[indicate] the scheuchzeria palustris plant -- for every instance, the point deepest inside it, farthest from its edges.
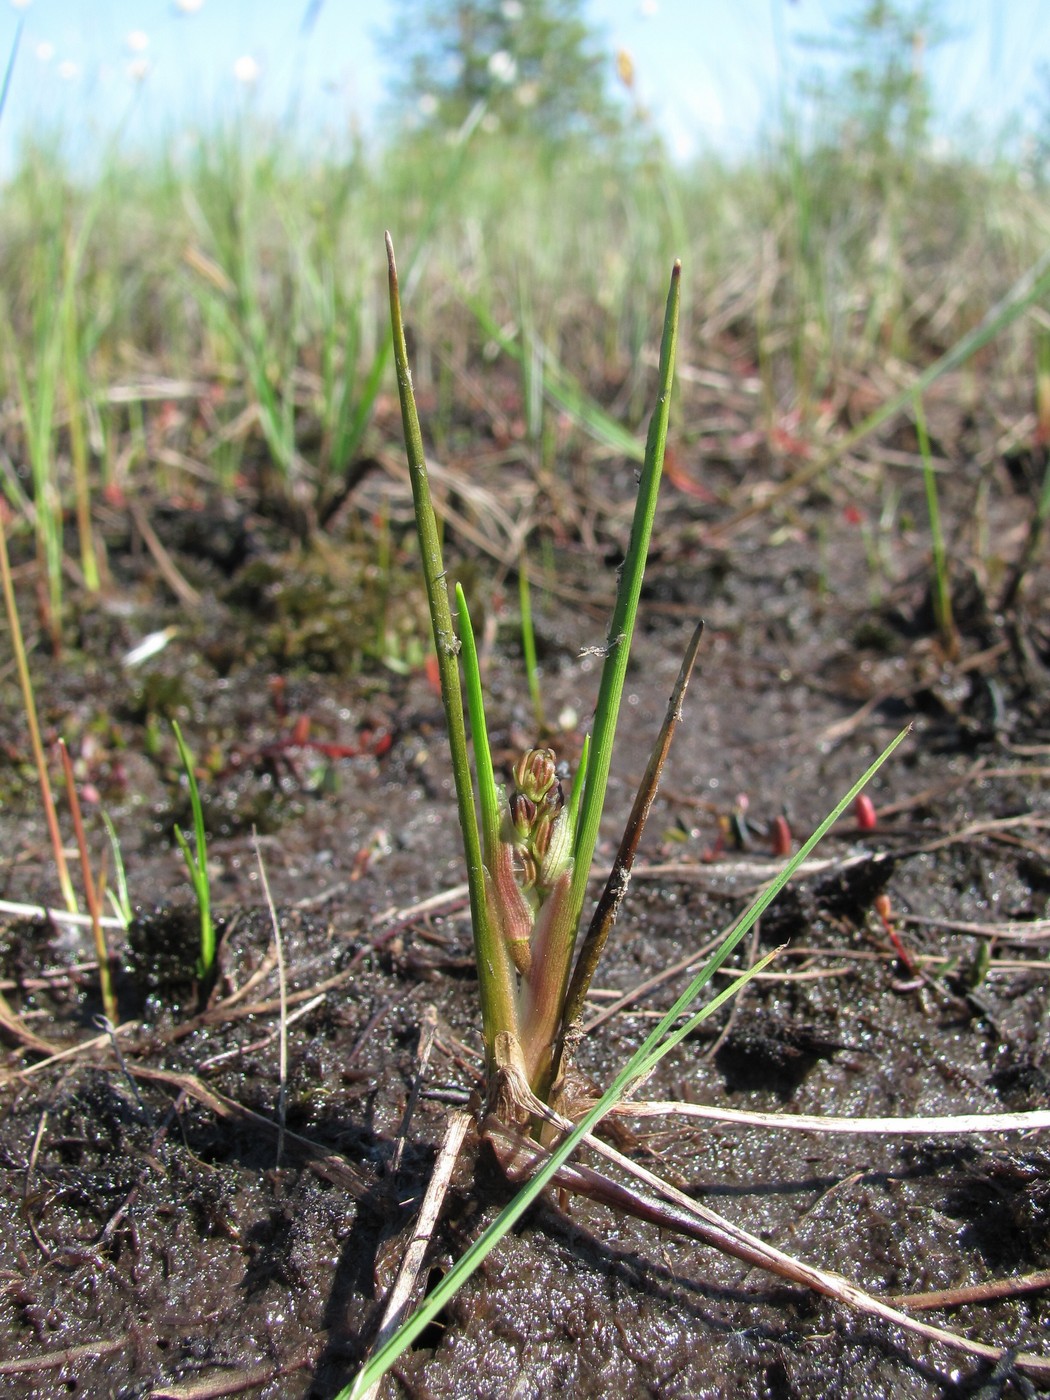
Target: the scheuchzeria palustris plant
(529, 856)
(528, 860)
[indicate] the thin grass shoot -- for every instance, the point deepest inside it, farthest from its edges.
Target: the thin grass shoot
(197, 859)
(941, 580)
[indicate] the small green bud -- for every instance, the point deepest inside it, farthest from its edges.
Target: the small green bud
(535, 773)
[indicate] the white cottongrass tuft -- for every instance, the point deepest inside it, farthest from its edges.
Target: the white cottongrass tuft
(246, 70)
(503, 66)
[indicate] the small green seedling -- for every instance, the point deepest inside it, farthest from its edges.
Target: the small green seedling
(120, 898)
(197, 859)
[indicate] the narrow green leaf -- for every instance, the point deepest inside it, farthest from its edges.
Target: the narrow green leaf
(488, 795)
(562, 389)
(528, 643)
(496, 977)
(625, 611)
(197, 861)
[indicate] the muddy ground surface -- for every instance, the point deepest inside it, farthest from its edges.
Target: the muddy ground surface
(161, 1238)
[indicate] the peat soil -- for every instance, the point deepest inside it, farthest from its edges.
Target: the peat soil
(161, 1236)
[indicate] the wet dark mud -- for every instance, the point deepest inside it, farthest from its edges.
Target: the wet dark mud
(162, 1235)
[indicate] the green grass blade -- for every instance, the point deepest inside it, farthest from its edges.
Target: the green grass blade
(488, 796)
(625, 611)
(528, 644)
(615, 889)
(120, 899)
(436, 202)
(562, 390)
(197, 860)
(579, 782)
(496, 984)
(663, 1038)
(25, 682)
(9, 72)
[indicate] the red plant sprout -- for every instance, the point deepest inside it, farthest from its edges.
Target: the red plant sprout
(885, 912)
(780, 836)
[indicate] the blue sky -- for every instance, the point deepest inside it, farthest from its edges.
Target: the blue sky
(709, 70)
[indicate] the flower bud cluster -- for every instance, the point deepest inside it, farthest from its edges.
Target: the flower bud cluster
(539, 826)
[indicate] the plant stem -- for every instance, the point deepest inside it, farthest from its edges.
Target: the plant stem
(528, 643)
(496, 977)
(29, 704)
(488, 797)
(91, 893)
(614, 672)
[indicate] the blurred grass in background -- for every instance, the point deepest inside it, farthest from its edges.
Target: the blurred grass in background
(212, 316)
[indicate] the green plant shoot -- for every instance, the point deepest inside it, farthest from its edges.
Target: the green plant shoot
(197, 859)
(529, 856)
(528, 644)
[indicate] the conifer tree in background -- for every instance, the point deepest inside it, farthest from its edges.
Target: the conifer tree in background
(537, 67)
(874, 98)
